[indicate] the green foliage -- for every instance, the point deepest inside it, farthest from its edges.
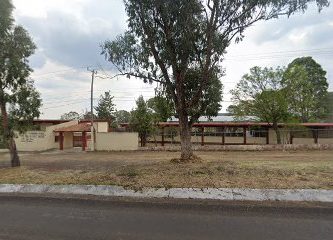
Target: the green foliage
(260, 94)
(167, 41)
(211, 97)
(307, 87)
(162, 107)
(122, 116)
(329, 104)
(106, 108)
(142, 120)
(16, 90)
(87, 115)
(72, 115)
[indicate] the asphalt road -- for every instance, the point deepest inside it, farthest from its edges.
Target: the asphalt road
(47, 218)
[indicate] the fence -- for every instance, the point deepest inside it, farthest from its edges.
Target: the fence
(242, 136)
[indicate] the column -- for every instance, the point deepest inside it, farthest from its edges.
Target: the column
(244, 135)
(84, 141)
(162, 134)
(202, 136)
(61, 140)
(315, 136)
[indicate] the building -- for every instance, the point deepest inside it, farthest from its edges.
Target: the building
(244, 133)
(62, 134)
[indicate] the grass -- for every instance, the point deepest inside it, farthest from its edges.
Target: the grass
(312, 169)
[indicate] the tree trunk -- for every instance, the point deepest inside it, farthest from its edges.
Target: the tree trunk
(143, 140)
(8, 137)
(185, 138)
(278, 134)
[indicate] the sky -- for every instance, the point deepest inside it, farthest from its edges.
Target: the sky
(68, 35)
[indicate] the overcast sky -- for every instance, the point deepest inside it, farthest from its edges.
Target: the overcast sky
(69, 33)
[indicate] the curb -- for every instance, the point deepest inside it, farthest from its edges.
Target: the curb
(307, 195)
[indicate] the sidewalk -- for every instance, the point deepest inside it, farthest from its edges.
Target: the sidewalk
(307, 195)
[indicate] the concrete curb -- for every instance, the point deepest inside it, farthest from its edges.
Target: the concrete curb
(309, 195)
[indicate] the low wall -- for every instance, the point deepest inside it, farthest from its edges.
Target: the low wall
(116, 141)
(276, 147)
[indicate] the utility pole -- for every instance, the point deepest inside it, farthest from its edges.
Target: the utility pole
(92, 134)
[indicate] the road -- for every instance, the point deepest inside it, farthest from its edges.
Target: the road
(35, 218)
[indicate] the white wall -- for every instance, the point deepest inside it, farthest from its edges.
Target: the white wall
(114, 141)
(43, 140)
(102, 126)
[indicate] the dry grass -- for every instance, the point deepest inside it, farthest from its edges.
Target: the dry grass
(304, 169)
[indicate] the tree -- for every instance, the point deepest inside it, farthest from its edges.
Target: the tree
(122, 116)
(16, 90)
(329, 104)
(106, 108)
(72, 115)
(87, 115)
(307, 88)
(162, 107)
(167, 39)
(260, 94)
(142, 120)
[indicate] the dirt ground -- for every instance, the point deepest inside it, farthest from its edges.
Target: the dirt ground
(270, 169)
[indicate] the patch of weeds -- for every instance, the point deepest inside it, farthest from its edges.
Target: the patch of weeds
(231, 171)
(128, 172)
(201, 171)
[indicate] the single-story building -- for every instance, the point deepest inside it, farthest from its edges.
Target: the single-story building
(62, 134)
(244, 133)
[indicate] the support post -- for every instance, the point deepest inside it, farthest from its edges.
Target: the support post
(244, 135)
(162, 136)
(84, 141)
(223, 136)
(267, 136)
(315, 135)
(61, 140)
(202, 136)
(291, 136)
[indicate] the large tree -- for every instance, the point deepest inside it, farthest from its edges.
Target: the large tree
(16, 90)
(167, 39)
(106, 108)
(260, 94)
(329, 104)
(307, 86)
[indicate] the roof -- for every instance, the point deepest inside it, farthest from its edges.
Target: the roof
(218, 118)
(238, 124)
(81, 127)
(59, 121)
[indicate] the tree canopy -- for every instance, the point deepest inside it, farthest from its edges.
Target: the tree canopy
(162, 107)
(260, 94)
(122, 116)
(166, 40)
(16, 89)
(142, 120)
(307, 87)
(106, 108)
(72, 115)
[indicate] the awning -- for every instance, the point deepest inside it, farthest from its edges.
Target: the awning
(81, 127)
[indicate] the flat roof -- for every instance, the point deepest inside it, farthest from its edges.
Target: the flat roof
(58, 121)
(239, 124)
(81, 127)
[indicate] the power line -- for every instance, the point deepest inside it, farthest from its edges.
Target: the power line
(252, 56)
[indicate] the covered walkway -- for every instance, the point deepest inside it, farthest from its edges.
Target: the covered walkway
(82, 128)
